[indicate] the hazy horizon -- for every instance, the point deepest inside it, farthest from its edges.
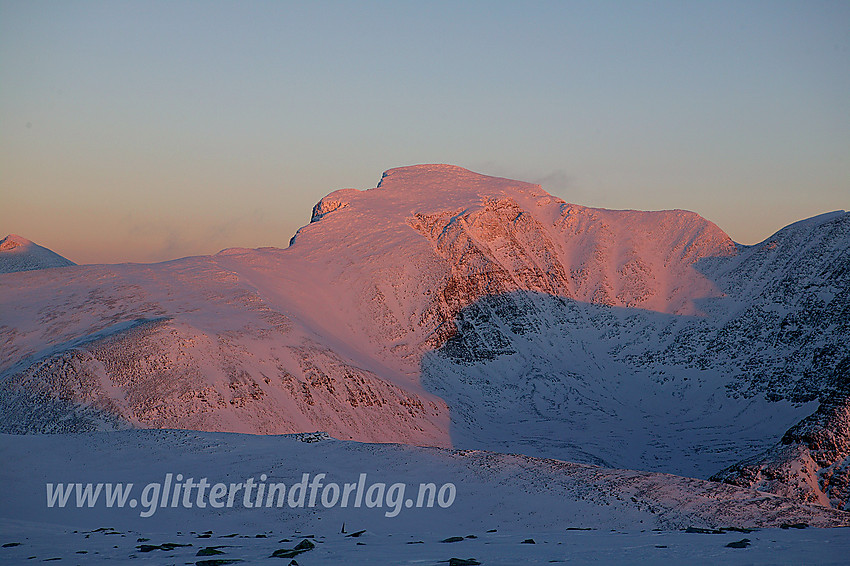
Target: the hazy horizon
(149, 131)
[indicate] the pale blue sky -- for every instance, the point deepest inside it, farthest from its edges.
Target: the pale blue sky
(143, 131)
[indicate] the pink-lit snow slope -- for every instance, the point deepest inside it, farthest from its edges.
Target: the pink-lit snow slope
(328, 334)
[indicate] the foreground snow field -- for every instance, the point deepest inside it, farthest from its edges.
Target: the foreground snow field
(502, 500)
(768, 546)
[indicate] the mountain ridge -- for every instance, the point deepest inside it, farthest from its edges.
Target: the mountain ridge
(357, 326)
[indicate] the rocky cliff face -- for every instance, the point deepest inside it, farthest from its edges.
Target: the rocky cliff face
(794, 323)
(685, 394)
(811, 463)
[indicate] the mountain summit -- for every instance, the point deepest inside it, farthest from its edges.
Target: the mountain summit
(20, 254)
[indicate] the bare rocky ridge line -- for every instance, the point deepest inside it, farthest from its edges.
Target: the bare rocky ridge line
(809, 464)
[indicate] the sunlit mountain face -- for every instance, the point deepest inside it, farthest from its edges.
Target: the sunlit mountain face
(445, 310)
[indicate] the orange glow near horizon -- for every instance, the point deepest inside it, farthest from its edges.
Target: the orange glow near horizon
(130, 131)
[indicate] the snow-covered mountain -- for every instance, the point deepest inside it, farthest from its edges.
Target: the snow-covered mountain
(19, 254)
(552, 376)
(447, 308)
(330, 332)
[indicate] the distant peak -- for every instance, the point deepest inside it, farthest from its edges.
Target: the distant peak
(19, 254)
(13, 241)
